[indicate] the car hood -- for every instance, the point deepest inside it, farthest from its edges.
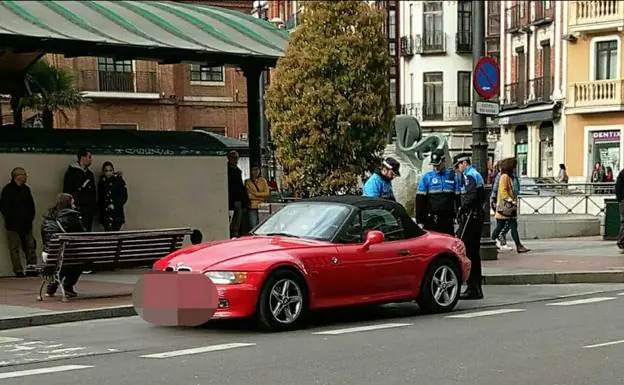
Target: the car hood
(207, 255)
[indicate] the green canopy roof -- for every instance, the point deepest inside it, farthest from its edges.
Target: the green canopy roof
(166, 30)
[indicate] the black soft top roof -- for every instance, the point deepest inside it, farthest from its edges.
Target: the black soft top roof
(411, 228)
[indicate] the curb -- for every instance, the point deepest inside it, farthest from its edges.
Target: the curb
(553, 278)
(67, 316)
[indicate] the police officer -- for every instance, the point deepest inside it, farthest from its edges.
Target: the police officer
(379, 185)
(471, 217)
(436, 196)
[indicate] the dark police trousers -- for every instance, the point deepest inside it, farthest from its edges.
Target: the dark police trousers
(440, 223)
(469, 232)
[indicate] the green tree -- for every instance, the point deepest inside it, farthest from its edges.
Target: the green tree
(49, 90)
(329, 106)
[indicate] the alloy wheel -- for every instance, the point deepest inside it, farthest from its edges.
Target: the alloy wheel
(444, 286)
(286, 301)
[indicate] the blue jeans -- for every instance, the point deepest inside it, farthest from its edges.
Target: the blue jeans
(513, 226)
(254, 218)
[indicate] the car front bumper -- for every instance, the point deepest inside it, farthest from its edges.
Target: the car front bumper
(239, 300)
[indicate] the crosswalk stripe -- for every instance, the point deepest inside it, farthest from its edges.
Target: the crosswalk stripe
(621, 294)
(604, 344)
(485, 313)
(48, 370)
(362, 328)
(7, 340)
(198, 350)
(581, 301)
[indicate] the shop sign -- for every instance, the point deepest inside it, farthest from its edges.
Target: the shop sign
(606, 136)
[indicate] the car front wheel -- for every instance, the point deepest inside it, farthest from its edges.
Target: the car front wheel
(440, 287)
(282, 304)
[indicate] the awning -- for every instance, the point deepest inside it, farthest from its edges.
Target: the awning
(531, 114)
(157, 30)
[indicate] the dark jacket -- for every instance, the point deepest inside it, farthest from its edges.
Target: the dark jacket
(18, 207)
(112, 191)
(70, 221)
(619, 186)
(80, 183)
(236, 189)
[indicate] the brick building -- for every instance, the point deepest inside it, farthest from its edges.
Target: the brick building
(143, 95)
(533, 85)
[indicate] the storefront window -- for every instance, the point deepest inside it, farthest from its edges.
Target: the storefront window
(546, 158)
(522, 154)
(604, 148)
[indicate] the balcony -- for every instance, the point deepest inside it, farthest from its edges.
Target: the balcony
(438, 112)
(541, 89)
(430, 43)
(541, 15)
(463, 42)
(596, 96)
(130, 83)
(493, 26)
(407, 46)
(596, 16)
(515, 94)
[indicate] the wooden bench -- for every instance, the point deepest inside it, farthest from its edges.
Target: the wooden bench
(107, 251)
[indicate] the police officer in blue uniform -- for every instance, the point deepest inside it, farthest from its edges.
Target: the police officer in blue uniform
(470, 218)
(437, 196)
(379, 185)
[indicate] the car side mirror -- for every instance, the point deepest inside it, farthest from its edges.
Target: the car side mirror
(373, 237)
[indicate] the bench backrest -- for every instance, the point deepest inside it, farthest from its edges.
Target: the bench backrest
(116, 248)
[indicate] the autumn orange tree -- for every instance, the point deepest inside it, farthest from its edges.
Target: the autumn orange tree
(329, 106)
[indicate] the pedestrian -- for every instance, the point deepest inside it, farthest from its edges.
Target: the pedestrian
(18, 208)
(437, 196)
(258, 191)
(62, 218)
(79, 182)
(507, 204)
(619, 195)
(470, 218)
(112, 196)
(379, 185)
(501, 242)
(238, 200)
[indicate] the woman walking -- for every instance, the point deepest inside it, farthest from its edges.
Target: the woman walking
(507, 204)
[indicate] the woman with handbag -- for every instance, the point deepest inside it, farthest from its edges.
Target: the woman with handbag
(507, 204)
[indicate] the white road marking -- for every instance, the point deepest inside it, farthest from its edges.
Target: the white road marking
(581, 301)
(203, 349)
(6, 340)
(485, 313)
(604, 344)
(362, 328)
(621, 294)
(52, 369)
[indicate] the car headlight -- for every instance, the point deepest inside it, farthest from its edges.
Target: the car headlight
(226, 277)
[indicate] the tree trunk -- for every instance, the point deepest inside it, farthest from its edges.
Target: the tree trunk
(47, 119)
(1, 117)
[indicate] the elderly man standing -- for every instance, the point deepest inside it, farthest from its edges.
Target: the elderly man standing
(18, 208)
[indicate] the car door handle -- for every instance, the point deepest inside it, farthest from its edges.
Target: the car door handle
(404, 252)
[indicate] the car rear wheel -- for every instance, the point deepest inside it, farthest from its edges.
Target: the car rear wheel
(440, 287)
(282, 304)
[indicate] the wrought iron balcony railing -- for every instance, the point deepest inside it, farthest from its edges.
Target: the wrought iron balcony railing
(441, 111)
(109, 81)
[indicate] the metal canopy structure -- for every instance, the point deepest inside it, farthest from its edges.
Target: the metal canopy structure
(167, 31)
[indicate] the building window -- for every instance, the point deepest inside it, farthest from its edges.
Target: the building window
(433, 87)
(522, 154)
(115, 75)
(521, 9)
(547, 4)
(204, 73)
(464, 20)
(604, 149)
(433, 30)
(391, 24)
(606, 60)
(464, 88)
(393, 91)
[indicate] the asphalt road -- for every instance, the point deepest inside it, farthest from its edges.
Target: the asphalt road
(519, 335)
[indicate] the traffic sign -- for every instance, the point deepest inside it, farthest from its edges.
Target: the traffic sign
(486, 77)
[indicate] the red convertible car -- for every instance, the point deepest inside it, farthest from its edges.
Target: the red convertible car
(328, 252)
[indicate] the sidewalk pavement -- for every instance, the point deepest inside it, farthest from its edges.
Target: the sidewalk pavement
(109, 294)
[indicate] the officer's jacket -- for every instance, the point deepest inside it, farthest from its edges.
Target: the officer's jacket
(437, 194)
(472, 191)
(378, 187)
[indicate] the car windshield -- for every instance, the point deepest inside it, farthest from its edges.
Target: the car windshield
(306, 220)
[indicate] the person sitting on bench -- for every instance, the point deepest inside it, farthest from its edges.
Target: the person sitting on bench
(62, 218)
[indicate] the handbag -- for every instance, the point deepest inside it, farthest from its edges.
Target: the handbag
(508, 206)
